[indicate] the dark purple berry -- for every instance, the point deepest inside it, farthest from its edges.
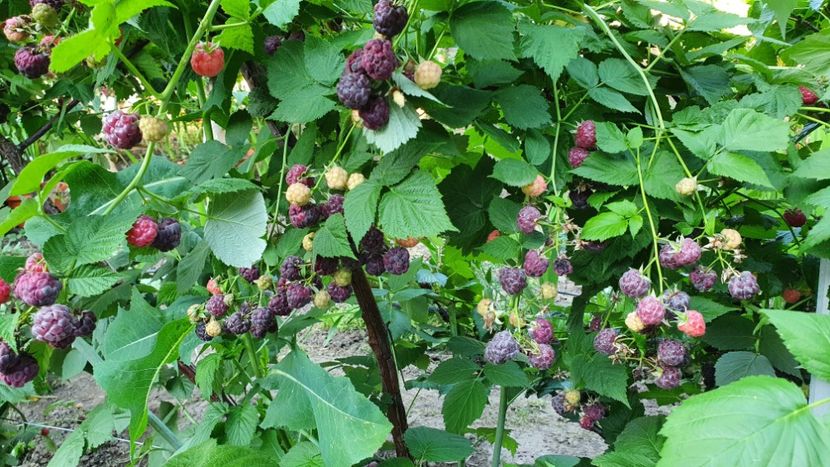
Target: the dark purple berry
(579, 196)
(373, 243)
(295, 174)
(8, 359)
(325, 266)
(562, 266)
(703, 279)
(249, 274)
(297, 296)
(671, 352)
(272, 44)
(501, 348)
(339, 294)
(389, 19)
(512, 280)
(334, 205)
(304, 216)
(396, 260)
(354, 64)
(541, 331)
(527, 219)
(30, 62)
(378, 60)
(543, 359)
(535, 265)
(263, 321)
(668, 377)
(604, 341)
(279, 304)
(25, 370)
(169, 234)
(216, 306)
(676, 300)
(744, 286)
(375, 265)
(55, 325)
(86, 324)
(558, 403)
(375, 113)
(634, 284)
(238, 323)
(37, 288)
(290, 269)
(354, 90)
(201, 333)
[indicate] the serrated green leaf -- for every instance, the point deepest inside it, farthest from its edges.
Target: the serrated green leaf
(206, 373)
(221, 185)
(733, 366)
(323, 61)
(812, 52)
(484, 30)
(613, 170)
(208, 453)
(597, 373)
(463, 404)
(73, 50)
(604, 225)
(806, 336)
(31, 176)
(537, 147)
(539, 40)
(710, 309)
(584, 72)
(304, 454)
(238, 37)
(453, 371)
(403, 125)
(739, 167)
(610, 138)
(523, 106)
(492, 72)
(413, 208)
(89, 280)
(514, 172)
(360, 208)
(710, 81)
(611, 99)
(282, 12)
(211, 159)
(241, 424)
(305, 105)
(816, 167)
(748, 130)
(235, 226)
(190, 267)
(508, 374)
(433, 445)
(126, 9)
(618, 74)
(238, 8)
(331, 240)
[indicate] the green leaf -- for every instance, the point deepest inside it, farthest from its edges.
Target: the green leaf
(537, 147)
(209, 453)
(126, 9)
(502, 248)
(634, 137)
(73, 50)
(241, 424)
(604, 225)
(360, 208)
(508, 374)
(209, 160)
(807, 336)
(18, 215)
(611, 99)
(738, 167)
(331, 240)
(484, 30)
(413, 208)
(396, 165)
(409, 88)
(304, 454)
(282, 12)
(323, 61)
(610, 138)
(235, 226)
(190, 267)
(812, 53)
(30, 178)
(206, 373)
(730, 332)
(748, 130)
(128, 338)
(733, 366)
(523, 106)
(779, 101)
(89, 240)
(618, 74)
(70, 451)
(433, 445)
(128, 382)
(662, 176)
(88, 280)
(305, 105)
(514, 172)
(816, 167)
(708, 18)
(221, 185)
(710, 81)
(638, 444)
(403, 125)
(710, 309)
(238, 8)
(467, 192)
(502, 213)
(584, 72)
(349, 426)
(453, 370)
(539, 40)
(755, 421)
(463, 404)
(598, 373)
(463, 105)
(9, 266)
(492, 72)
(613, 170)
(237, 37)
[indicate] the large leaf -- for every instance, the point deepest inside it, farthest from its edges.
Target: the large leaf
(812, 52)
(604, 225)
(360, 208)
(433, 445)
(210, 454)
(463, 404)
(598, 373)
(748, 130)
(523, 106)
(638, 444)
(403, 125)
(755, 421)
(211, 159)
(128, 382)
(619, 171)
(413, 208)
(539, 40)
(739, 167)
(807, 336)
(235, 226)
(349, 426)
(733, 366)
(31, 176)
(514, 172)
(281, 12)
(331, 240)
(484, 30)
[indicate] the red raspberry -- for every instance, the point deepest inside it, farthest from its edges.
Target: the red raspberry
(651, 311)
(378, 60)
(207, 60)
(375, 114)
(586, 135)
(143, 232)
(808, 97)
(213, 287)
(577, 155)
(30, 62)
(35, 263)
(121, 130)
(795, 217)
(5, 291)
(692, 324)
(791, 296)
(493, 235)
(37, 288)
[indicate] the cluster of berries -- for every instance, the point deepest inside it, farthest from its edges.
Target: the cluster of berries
(585, 140)
(126, 130)
(163, 235)
(32, 30)
(568, 403)
(52, 323)
(537, 345)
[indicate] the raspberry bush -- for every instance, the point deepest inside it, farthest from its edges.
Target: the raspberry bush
(594, 204)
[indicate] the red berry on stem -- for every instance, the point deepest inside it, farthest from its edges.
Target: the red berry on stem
(795, 217)
(808, 97)
(207, 60)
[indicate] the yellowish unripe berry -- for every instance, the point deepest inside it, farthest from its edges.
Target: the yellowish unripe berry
(298, 193)
(337, 178)
(193, 312)
(398, 98)
(228, 299)
(572, 397)
(263, 282)
(213, 328)
(308, 241)
(536, 188)
(731, 239)
(343, 277)
(483, 306)
(634, 323)
(427, 75)
(153, 129)
(407, 242)
(686, 186)
(356, 118)
(322, 299)
(515, 320)
(355, 179)
(549, 291)
(489, 320)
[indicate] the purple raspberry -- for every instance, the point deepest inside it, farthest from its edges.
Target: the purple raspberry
(595, 411)
(325, 266)
(201, 333)
(373, 243)
(527, 218)
(8, 359)
(667, 257)
(591, 245)
(604, 341)
(676, 300)
(651, 311)
(541, 331)
(354, 64)
(304, 216)
(375, 265)
(290, 269)
(263, 321)
(703, 279)
(238, 323)
(634, 284)
(37, 288)
(396, 260)
(501, 348)
(378, 59)
(586, 135)
(25, 370)
(216, 305)
(671, 352)
(544, 359)
(375, 113)
(272, 44)
(279, 304)
(169, 234)
(668, 377)
(562, 266)
(689, 253)
(297, 296)
(249, 274)
(86, 324)
(339, 294)
(389, 19)
(121, 130)
(535, 265)
(595, 324)
(512, 280)
(559, 404)
(354, 90)
(333, 206)
(30, 62)
(579, 196)
(577, 155)
(55, 325)
(743, 286)
(295, 174)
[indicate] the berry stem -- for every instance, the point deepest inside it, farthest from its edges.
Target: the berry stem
(282, 176)
(163, 430)
(500, 427)
(249, 347)
(555, 139)
(650, 221)
(135, 71)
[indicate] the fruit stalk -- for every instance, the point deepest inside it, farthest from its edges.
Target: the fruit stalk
(500, 427)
